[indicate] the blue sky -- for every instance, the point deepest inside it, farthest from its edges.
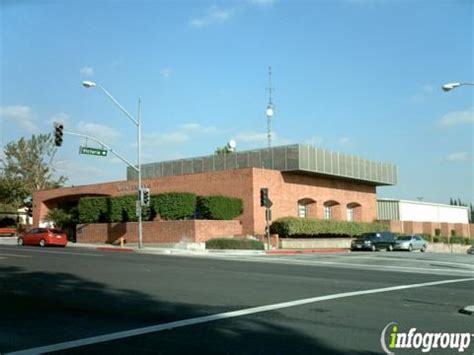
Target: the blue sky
(356, 76)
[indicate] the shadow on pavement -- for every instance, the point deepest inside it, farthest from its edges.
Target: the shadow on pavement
(43, 308)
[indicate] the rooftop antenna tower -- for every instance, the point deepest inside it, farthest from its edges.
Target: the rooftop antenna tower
(269, 111)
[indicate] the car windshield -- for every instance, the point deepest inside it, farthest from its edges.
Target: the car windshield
(404, 238)
(369, 236)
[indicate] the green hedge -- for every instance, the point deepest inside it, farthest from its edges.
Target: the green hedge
(92, 209)
(223, 243)
(219, 207)
(170, 206)
(306, 227)
(174, 205)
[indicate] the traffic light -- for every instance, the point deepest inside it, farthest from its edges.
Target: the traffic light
(58, 133)
(145, 197)
(263, 196)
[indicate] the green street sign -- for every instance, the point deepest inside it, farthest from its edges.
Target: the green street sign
(93, 151)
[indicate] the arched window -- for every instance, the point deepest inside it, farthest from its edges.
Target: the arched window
(307, 208)
(354, 211)
(332, 210)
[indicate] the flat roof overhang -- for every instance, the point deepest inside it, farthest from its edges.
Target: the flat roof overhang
(301, 158)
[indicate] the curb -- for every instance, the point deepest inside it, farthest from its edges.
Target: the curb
(120, 250)
(307, 251)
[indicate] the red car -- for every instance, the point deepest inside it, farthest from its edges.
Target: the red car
(43, 237)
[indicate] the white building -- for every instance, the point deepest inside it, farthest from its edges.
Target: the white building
(423, 217)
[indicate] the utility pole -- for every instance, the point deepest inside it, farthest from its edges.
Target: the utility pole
(269, 112)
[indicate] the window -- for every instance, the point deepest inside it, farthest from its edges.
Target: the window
(327, 212)
(350, 214)
(302, 212)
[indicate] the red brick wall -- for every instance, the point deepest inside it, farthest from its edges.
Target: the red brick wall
(286, 189)
(159, 231)
(233, 183)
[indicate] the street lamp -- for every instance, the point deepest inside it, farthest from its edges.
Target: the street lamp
(451, 86)
(137, 122)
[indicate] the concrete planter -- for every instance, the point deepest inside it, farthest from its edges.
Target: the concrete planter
(315, 243)
(447, 248)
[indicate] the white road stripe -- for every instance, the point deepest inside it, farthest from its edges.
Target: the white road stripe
(430, 261)
(15, 255)
(373, 267)
(42, 251)
(226, 315)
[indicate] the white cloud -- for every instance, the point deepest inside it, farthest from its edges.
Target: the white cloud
(197, 128)
(74, 167)
(154, 140)
(21, 115)
(256, 139)
(102, 132)
(456, 118)
(457, 157)
(62, 117)
(214, 15)
(165, 73)
(87, 71)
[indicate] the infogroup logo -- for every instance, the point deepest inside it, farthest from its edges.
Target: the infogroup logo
(424, 341)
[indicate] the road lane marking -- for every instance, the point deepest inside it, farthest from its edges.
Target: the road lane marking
(373, 267)
(430, 261)
(15, 255)
(220, 316)
(42, 251)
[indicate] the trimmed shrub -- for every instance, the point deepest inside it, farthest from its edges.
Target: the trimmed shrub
(306, 227)
(219, 207)
(7, 222)
(110, 210)
(457, 240)
(427, 237)
(174, 205)
(223, 243)
(440, 239)
(92, 209)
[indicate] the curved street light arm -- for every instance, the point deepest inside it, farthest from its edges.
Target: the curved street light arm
(105, 145)
(118, 104)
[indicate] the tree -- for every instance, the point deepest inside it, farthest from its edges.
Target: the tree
(28, 166)
(224, 150)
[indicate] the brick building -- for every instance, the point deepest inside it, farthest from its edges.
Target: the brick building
(302, 181)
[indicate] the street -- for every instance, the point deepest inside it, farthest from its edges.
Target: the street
(69, 295)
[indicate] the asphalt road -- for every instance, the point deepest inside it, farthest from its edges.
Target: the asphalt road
(49, 296)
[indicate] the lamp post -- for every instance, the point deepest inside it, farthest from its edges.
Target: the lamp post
(137, 122)
(451, 86)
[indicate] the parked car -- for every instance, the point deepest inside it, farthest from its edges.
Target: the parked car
(471, 250)
(43, 237)
(410, 243)
(374, 241)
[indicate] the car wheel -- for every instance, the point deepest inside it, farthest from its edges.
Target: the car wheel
(423, 248)
(390, 247)
(20, 241)
(410, 248)
(373, 248)
(42, 243)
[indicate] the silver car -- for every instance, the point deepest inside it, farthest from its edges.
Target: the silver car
(471, 250)
(410, 242)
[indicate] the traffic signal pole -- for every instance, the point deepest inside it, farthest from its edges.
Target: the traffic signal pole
(267, 203)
